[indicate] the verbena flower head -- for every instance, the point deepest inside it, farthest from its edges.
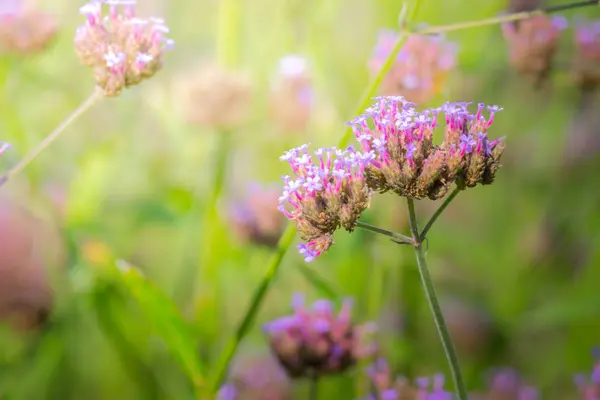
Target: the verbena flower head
(326, 191)
(315, 341)
(420, 69)
(227, 392)
(589, 384)
(388, 388)
(586, 67)
(24, 30)
(121, 48)
(256, 218)
(507, 384)
(215, 97)
(403, 158)
(533, 43)
(291, 96)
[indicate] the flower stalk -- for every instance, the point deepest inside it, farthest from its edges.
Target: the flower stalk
(438, 316)
(48, 140)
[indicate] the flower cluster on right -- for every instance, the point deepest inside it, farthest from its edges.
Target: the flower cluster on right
(398, 155)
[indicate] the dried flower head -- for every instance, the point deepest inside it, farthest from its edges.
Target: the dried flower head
(586, 68)
(402, 156)
(420, 69)
(315, 342)
(121, 48)
(589, 385)
(291, 94)
(327, 192)
(256, 218)
(24, 30)
(215, 97)
(257, 378)
(533, 43)
(388, 388)
(507, 384)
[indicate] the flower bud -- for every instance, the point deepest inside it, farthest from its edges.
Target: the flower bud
(316, 342)
(122, 49)
(420, 69)
(589, 384)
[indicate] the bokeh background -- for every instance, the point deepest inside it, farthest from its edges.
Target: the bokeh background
(516, 263)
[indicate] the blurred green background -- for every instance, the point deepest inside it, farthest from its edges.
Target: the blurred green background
(516, 263)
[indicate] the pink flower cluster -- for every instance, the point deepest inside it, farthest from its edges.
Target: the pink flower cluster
(327, 191)
(121, 48)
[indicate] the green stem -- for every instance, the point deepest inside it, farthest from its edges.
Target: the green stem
(504, 18)
(438, 317)
(259, 295)
(396, 237)
(288, 237)
(437, 213)
(228, 33)
(314, 388)
(48, 140)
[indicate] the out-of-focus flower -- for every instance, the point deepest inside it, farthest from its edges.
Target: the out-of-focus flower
(291, 94)
(256, 218)
(257, 378)
(28, 247)
(326, 193)
(122, 49)
(589, 384)
(402, 156)
(523, 5)
(533, 43)
(420, 69)
(315, 342)
(507, 384)
(586, 68)
(215, 97)
(24, 30)
(388, 388)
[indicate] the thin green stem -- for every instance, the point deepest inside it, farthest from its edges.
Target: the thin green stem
(48, 140)
(437, 213)
(259, 295)
(314, 388)
(396, 237)
(228, 34)
(368, 94)
(287, 237)
(504, 18)
(438, 316)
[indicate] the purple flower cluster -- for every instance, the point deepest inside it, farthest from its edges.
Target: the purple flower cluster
(328, 191)
(403, 158)
(315, 342)
(4, 147)
(388, 388)
(587, 60)
(121, 48)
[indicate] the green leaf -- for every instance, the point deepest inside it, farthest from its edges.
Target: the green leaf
(163, 314)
